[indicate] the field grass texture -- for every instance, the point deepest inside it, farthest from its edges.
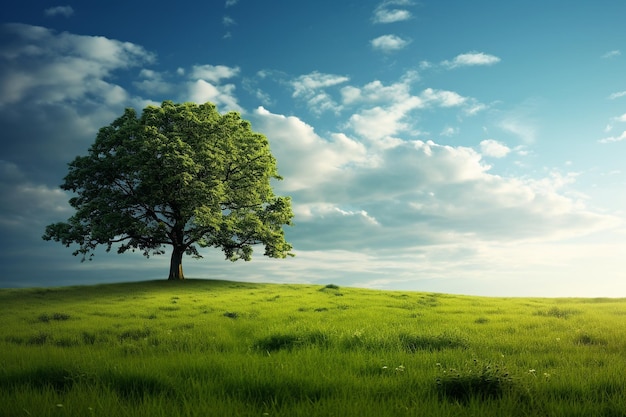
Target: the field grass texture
(218, 348)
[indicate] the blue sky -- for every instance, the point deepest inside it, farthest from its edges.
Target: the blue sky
(459, 147)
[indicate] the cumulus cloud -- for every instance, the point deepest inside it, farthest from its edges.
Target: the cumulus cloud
(213, 73)
(390, 16)
(201, 91)
(390, 11)
(379, 125)
(377, 92)
(442, 98)
(494, 149)
(65, 11)
(48, 67)
(389, 43)
(471, 59)
(56, 90)
(386, 110)
(391, 105)
(206, 85)
(153, 82)
(304, 158)
(359, 196)
(311, 88)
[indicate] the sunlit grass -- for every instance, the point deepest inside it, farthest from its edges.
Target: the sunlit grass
(226, 348)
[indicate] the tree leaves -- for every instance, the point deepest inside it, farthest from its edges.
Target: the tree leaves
(180, 175)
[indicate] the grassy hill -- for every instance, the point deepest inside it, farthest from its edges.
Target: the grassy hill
(216, 348)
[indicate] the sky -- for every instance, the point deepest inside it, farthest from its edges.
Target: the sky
(443, 146)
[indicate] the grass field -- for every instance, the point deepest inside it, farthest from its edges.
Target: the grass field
(216, 348)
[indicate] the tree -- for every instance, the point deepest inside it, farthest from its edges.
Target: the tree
(181, 175)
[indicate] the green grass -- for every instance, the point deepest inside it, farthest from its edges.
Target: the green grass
(216, 348)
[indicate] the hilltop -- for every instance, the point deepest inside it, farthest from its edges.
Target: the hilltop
(226, 348)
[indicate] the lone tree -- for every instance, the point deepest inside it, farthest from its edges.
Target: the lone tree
(182, 175)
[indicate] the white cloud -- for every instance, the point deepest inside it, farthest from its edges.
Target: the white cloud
(205, 86)
(379, 124)
(617, 95)
(494, 149)
(307, 84)
(442, 98)
(422, 193)
(310, 87)
(304, 158)
(230, 3)
(611, 139)
(153, 82)
(389, 43)
(449, 131)
(201, 91)
(65, 11)
(609, 128)
(28, 200)
(388, 11)
(474, 107)
(424, 65)
(46, 67)
(228, 21)
(611, 54)
(471, 59)
(393, 107)
(413, 194)
(351, 94)
(377, 92)
(250, 85)
(322, 102)
(326, 211)
(213, 73)
(391, 15)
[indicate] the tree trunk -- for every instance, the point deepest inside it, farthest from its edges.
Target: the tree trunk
(176, 264)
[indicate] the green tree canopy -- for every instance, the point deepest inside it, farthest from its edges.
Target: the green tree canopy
(182, 175)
